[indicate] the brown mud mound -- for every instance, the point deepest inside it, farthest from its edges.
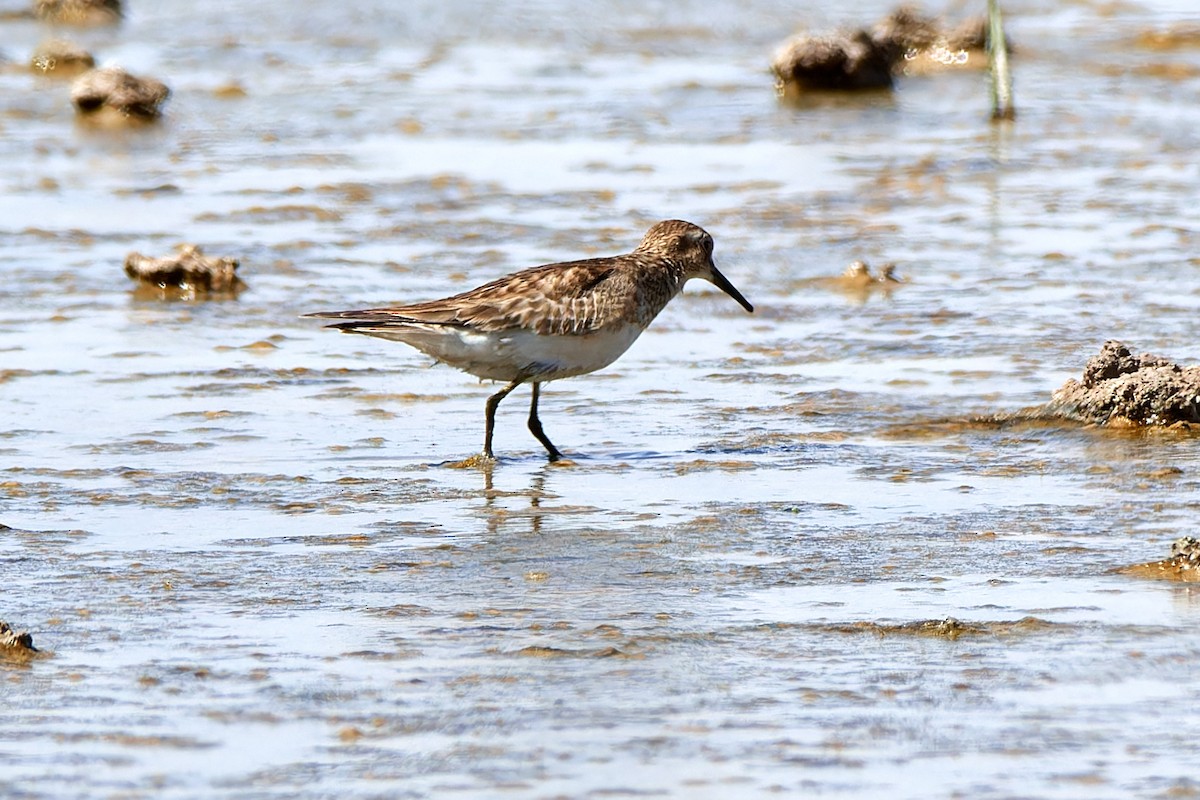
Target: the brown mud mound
(79, 12)
(905, 42)
(918, 44)
(188, 271)
(115, 90)
(858, 277)
(1122, 389)
(61, 59)
(841, 62)
(1182, 565)
(857, 282)
(15, 646)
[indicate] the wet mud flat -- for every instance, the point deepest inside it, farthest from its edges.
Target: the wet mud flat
(820, 550)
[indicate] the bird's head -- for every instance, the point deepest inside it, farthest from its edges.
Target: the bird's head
(690, 248)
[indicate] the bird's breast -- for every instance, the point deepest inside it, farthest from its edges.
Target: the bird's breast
(515, 354)
(551, 357)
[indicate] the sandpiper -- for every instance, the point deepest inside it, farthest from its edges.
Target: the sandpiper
(550, 322)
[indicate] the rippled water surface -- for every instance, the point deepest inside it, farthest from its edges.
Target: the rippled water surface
(253, 572)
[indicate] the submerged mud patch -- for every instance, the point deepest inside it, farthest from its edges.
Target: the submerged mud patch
(542, 651)
(948, 628)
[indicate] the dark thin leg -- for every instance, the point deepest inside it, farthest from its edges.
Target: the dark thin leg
(535, 426)
(492, 403)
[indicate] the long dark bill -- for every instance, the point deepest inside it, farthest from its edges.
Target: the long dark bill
(722, 283)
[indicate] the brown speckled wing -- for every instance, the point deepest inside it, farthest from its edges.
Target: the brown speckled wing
(574, 297)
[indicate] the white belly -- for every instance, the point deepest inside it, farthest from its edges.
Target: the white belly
(513, 355)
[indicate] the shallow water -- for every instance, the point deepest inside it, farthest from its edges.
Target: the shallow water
(253, 572)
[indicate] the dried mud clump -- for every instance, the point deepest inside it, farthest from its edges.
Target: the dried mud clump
(916, 43)
(1188, 550)
(837, 62)
(1182, 565)
(186, 271)
(859, 282)
(61, 59)
(114, 89)
(14, 644)
(859, 276)
(1122, 389)
(904, 42)
(79, 12)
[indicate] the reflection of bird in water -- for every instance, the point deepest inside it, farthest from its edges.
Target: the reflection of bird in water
(498, 515)
(550, 322)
